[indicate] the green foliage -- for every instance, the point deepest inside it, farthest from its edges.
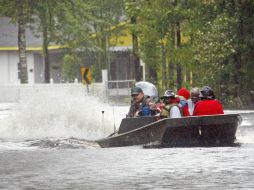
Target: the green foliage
(156, 28)
(218, 49)
(71, 67)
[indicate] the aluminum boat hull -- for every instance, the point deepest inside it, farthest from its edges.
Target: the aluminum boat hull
(213, 130)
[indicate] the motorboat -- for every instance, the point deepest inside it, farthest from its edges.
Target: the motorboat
(210, 130)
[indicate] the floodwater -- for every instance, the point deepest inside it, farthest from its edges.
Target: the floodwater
(47, 146)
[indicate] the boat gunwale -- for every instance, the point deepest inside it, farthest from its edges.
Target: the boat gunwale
(168, 126)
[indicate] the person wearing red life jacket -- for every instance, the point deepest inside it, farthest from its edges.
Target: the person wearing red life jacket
(208, 105)
(184, 96)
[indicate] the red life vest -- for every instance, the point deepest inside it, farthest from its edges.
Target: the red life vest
(185, 110)
(208, 107)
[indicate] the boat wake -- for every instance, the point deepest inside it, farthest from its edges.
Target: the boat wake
(47, 143)
(68, 143)
(245, 131)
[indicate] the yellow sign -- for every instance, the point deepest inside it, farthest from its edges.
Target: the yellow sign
(86, 75)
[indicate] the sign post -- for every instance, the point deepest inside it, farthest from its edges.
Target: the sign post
(86, 77)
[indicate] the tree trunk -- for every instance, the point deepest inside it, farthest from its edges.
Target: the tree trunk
(164, 67)
(22, 42)
(46, 55)
(152, 75)
(179, 78)
(238, 58)
(179, 66)
(171, 66)
(135, 51)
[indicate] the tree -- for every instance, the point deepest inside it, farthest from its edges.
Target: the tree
(224, 48)
(106, 14)
(22, 40)
(46, 16)
(18, 11)
(159, 31)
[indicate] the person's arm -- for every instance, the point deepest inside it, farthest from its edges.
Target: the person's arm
(131, 111)
(220, 108)
(196, 110)
(175, 112)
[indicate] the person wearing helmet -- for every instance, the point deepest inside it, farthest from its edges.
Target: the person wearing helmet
(141, 105)
(208, 104)
(171, 102)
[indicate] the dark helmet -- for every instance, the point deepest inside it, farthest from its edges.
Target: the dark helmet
(168, 94)
(207, 93)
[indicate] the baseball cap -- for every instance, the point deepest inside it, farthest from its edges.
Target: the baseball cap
(136, 90)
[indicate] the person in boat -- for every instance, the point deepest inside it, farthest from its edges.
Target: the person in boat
(188, 100)
(208, 105)
(194, 98)
(141, 105)
(184, 96)
(171, 107)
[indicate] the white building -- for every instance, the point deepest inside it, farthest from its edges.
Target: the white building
(9, 56)
(121, 66)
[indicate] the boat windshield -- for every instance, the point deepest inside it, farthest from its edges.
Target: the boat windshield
(148, 88)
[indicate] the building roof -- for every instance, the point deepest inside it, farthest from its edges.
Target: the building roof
(9, 37)
(119, 41)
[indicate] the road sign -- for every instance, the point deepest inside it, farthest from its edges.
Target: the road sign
(86, 75)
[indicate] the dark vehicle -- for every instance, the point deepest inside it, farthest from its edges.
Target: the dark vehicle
(214, 130)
